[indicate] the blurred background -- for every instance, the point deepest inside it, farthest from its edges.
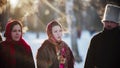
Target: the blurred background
(35, 14)
(76, 16)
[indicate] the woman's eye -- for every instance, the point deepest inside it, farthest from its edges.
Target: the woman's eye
(55, 31)
(19, 30)
(60, 31)
(13, 30)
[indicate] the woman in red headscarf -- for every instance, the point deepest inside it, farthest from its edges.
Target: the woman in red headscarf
(54, 52)
(14, 51)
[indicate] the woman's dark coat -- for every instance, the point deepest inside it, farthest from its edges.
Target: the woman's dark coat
(47, 58)
(13, 55)
(104, 50)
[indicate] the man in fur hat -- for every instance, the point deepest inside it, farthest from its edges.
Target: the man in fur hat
(104, 49)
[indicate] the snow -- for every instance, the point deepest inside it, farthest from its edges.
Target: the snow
(83, 44)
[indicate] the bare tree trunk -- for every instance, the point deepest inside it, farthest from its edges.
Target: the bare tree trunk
(74, 42)
(72, 28)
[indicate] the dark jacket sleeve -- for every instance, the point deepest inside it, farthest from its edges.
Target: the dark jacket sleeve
(32, 64)
(89, 62)
(1, 57)
(30, 61)
(3, 63)
(71, 60)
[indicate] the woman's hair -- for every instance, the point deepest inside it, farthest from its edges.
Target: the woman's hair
(50, 25)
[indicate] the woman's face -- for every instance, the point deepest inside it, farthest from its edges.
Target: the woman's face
(57, 32)
(16, 32)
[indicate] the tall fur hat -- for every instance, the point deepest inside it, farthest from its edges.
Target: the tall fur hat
(112, 13)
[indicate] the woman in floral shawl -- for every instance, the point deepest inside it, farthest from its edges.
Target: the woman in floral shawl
(54, 52)
(14, 51)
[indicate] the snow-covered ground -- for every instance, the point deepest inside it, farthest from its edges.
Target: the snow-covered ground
(83, 44)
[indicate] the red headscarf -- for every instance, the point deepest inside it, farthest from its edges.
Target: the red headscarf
(9, 42)
(8, 30)
(9, 27)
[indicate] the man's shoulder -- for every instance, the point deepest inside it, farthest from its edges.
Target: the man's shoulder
(97, 34)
